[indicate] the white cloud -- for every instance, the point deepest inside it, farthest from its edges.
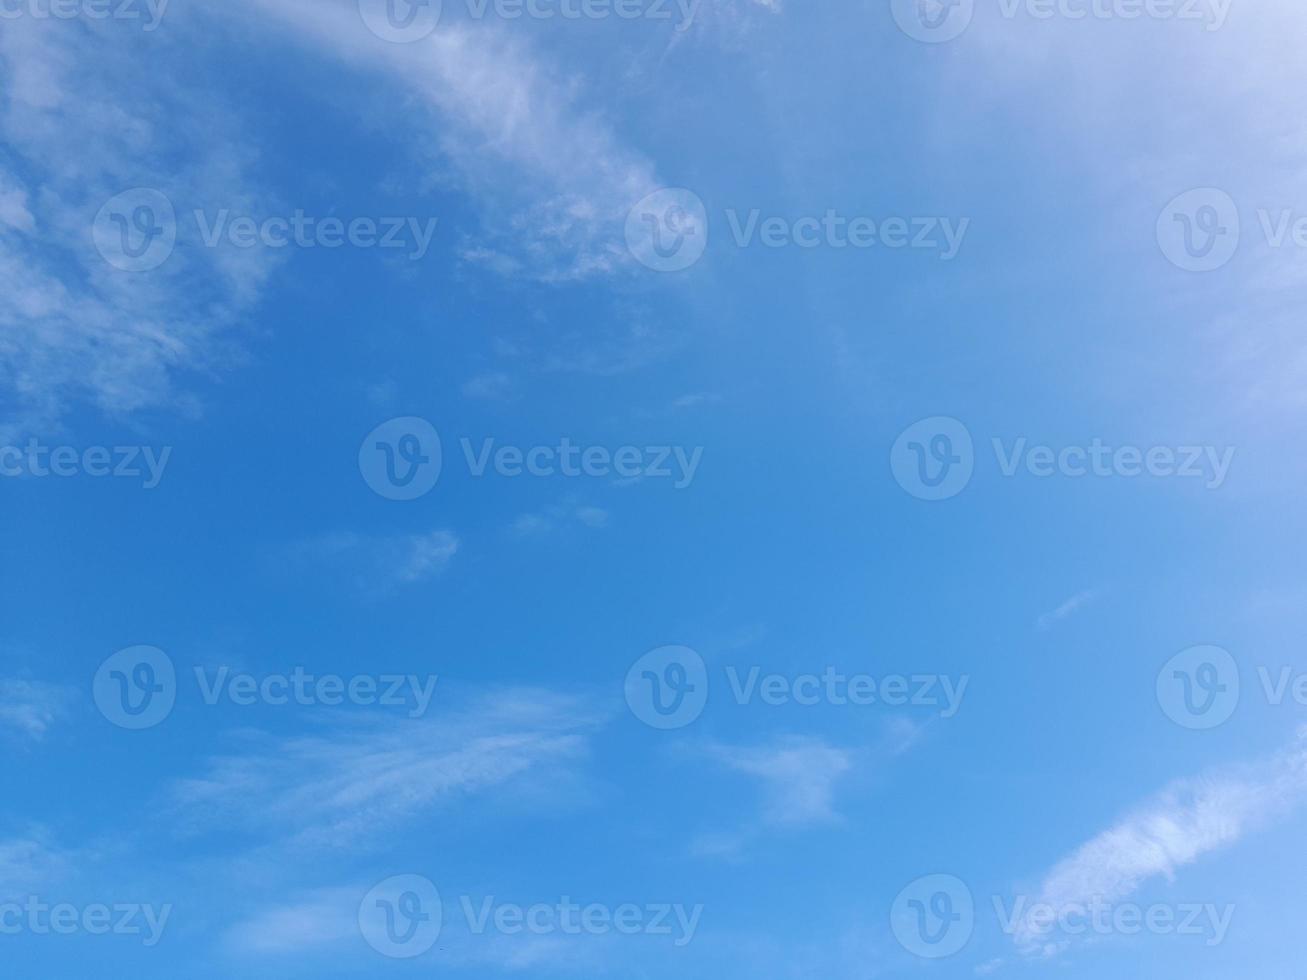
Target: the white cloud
(323, 917)
(354, 784)
(84, 117)
(799, 777)
(1073, 605)
(29, 708)
(558, 516)
(29, 862)
(489, 385)
(516, 129)
(377, 564)
(1184, 106)
(1185, 822)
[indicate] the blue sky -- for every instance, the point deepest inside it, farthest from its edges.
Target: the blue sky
(774, 475)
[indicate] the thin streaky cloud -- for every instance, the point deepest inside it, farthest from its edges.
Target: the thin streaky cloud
(28, 709)
(1185, 822)
(1069, 608)
(516, 128)
(353, 785)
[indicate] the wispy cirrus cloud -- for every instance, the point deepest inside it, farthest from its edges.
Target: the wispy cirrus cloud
(353, 784)
(557, 517)
(1068, 608)
(29, 708)
(309, 920)
(30, 861)
(1185, 822)
(554, 180)
(377, 564)
(798, 776)
(83, 118)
